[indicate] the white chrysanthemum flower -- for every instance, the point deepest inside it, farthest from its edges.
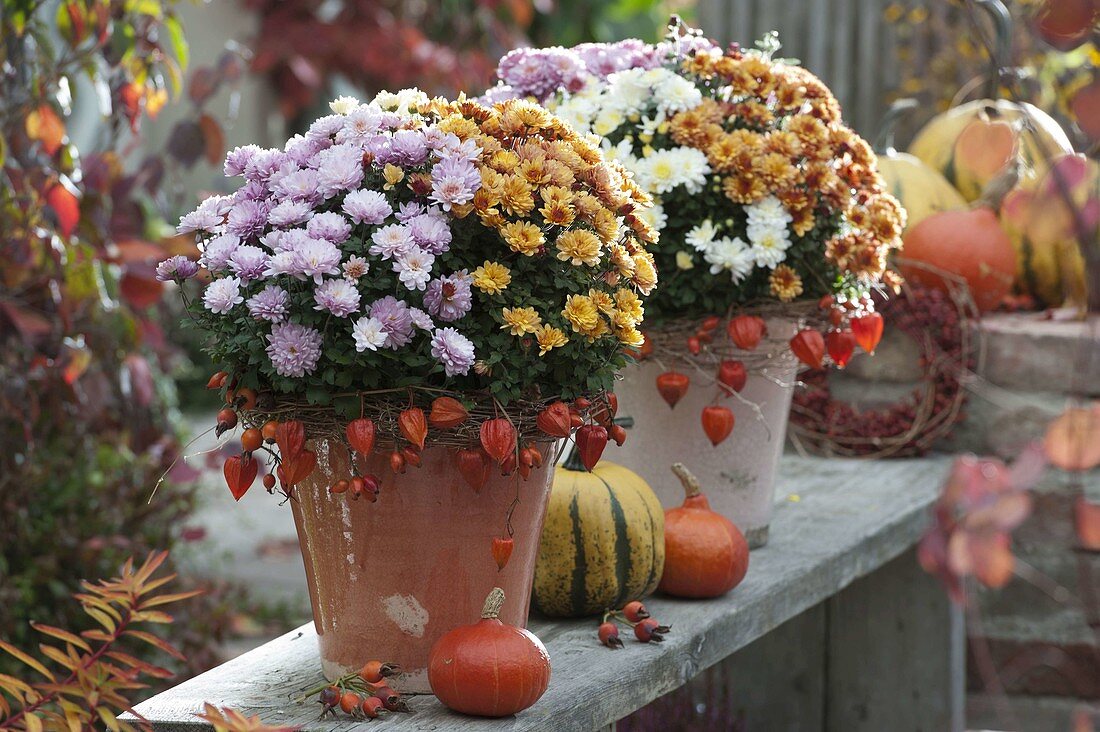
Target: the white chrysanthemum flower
(702, 235)
(369, 334)
(768, 212)
(674, 94)
(729, 254)
(685, 260)
(769, 244)
(654, 216)
(694, 168)
(222, 295)
(607, 121)
(343, 105)
(414, 268)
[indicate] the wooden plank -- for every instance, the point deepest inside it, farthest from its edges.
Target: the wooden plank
(776, 683)
(837, 521)
(895, 659)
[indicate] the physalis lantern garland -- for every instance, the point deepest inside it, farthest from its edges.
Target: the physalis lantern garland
(763, 197)
(415, 269)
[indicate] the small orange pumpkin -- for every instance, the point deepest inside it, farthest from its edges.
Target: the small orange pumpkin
(970, 243)
(489, 669)
(705, 554)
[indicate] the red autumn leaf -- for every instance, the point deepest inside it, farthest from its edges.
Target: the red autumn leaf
(240, 472)
(554, 420)
(29, 324)
(868, 331)
(65, 206)
(474, 466)
(130, 97)
(672, 385)
(46, 127)
(413, 426)
(213, 139)
(447, 413)
(841, 344)
(139, 286)
(204, 83)
(502, 551)
(809, 347)
(140, 379)
(1086, 109)
(1087, 521)
(360, 434)
(187, 142)
(717, 423)
(498, 437)
(732, 376)
(290, 436)
(746, 331)
(591, 441)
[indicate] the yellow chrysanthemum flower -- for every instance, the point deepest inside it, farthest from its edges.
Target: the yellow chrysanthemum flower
(785, 283)
(581, 314)
(558, 214)
(504, 161)
(523, 237)
(393, 175)
(629, 304)
(492, 278)
(578, 247)
(684, 260)
(645, 273)
(602, 301)
(549, 337)
(516, 196)
(621, 260)
(520, 321)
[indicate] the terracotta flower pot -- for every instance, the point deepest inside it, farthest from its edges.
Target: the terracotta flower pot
(387, 579)
(739, 474)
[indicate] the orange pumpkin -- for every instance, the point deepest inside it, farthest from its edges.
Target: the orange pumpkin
(489, 669)
(969, 243)
(705, 554)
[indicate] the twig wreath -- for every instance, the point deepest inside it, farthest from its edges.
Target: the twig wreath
(936, 319)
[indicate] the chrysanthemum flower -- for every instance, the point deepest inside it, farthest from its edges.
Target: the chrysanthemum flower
(454, 350)
(579, 246)
(785, 283)
(520, 321)
(523, 237)
(222, 295)
(337, 296)
(549, 338)
(269, 304)
(492, 278)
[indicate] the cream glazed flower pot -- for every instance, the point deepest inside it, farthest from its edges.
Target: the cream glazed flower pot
(739, 475)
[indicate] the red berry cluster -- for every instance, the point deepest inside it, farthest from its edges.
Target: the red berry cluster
(634, 614)
(363, 695)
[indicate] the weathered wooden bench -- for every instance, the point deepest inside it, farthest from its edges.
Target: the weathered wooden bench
(836, 627)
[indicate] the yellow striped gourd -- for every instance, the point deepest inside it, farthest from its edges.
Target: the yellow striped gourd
(602, 544)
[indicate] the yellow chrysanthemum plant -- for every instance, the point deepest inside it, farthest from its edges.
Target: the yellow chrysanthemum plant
(427, 266)
(766, 203)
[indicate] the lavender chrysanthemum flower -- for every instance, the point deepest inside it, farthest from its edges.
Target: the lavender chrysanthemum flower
(391, 241)
(409, 209)
(414, 268)
(360, 125)
(293, 349)
(540, 72)
(454, 350)
(454, 181)
(283, 263)
(302, 149)
(316, 258)
(247, 219)
(421, 319)
(217, 251)
(499, 93)
(448, 298)
(395, 318)
(340, 168)
(222, 295)
(263, 163)
(407, 149)
(208, 216)
(253, 190)
(269, 304)
(289, 213)
(430, 233)
(355, 268)
(369, 334)
(303, 185)
(325, 127)
(339, 297)
(248, 262)
(177, 269)
(329, 226)
(237, 159)
(290, 240)
(367, 207)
